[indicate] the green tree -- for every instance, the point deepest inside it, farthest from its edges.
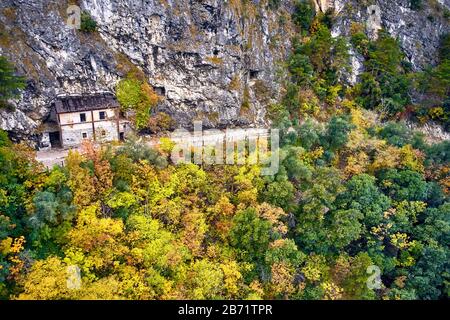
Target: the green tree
(136, 95)
(363, 194)
(384, 85)
(344, 227)
(250, 235)
(10, 83)
(416, 4)
(301, 69)
(403, 185)
(337, 132)
(431, 272)
(304, 14)
(280, 194)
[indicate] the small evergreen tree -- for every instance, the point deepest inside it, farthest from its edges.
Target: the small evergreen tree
(9, 82)
(88, 24)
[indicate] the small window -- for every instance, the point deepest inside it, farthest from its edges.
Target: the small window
(102, 115)
(103, 133)
(83, 117)
(84, 134)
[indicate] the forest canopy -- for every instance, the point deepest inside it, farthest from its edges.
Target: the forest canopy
(350, 194)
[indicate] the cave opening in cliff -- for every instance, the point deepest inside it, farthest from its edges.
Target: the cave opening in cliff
(160, 91)
(253, 74)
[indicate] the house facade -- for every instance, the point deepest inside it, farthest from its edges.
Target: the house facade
(77, 118)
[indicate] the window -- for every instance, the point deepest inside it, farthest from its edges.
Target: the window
(84, 134)
(83, 117)
(102, 115)
(103, 133)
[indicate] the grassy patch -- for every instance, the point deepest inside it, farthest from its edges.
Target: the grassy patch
(215, 60)
(235, 84)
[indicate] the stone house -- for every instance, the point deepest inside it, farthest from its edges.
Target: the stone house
(76, 118)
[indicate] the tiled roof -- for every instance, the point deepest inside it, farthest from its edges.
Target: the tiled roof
(85, 103)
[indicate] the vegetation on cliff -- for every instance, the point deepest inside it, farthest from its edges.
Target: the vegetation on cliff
(10, 83)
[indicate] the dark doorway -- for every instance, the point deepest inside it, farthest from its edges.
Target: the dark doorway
(122, 136)
(55, 139)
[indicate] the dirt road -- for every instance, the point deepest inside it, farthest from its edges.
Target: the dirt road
(54, 157)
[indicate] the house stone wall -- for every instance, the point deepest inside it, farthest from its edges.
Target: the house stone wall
(106, 131)
(73, 118)
(110, 114)
(72, 128)
(72, 135)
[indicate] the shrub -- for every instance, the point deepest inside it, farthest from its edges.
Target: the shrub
(416, 4)
(88, 24)
(160, 122)
(304, 14)
(274, 4)
(301, 69)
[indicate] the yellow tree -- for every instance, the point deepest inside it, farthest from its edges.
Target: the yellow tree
(80, 181)
(194, 230)
(102, 175)
(96, 244)
(47, 280)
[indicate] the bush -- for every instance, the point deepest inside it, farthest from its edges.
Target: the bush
(416, 4)
(301, 69)
(160, 122)
(274, 4)
(304, 14)
(88, 24)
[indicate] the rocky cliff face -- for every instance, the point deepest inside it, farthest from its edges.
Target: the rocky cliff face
(206, 58)
(211, 59)
(419, 30)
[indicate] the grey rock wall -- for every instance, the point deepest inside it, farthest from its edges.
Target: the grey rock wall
(207, 57)
(419, 31)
